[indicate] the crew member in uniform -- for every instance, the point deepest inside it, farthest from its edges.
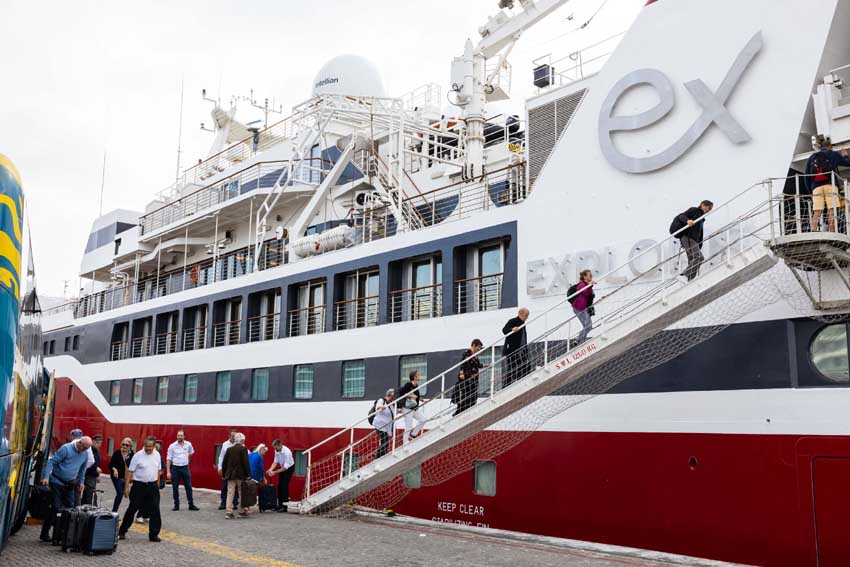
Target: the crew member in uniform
(143, 473)
(283, 465)
(177, 468)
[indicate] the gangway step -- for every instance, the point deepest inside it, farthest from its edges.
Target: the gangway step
(625, 334)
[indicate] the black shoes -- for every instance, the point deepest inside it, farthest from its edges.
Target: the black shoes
(193, 508)
(177, 509)
(221, 507)
(281, 509)
(155, 539)
(122, 536)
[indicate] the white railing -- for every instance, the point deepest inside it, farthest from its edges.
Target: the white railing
(424, 302)
(482, 293)
(560, 337)
(307, 321)
(263, 327)
(356, 313)
(578, 64)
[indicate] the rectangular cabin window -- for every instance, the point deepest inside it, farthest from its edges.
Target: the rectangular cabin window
(308, 317)
(260, 384)
(300, 463)
(44, 348)
(67, 344)
(190, 388)
(110, 445)
(115, 392)
(351, 462)
(353, 379)
(138, 388)
(413, 477)
(412, 363)
(162, 389)
(303, 374)
(485, 478)
(52, 347)
(76, 343)
(222, 386)
(359, 307)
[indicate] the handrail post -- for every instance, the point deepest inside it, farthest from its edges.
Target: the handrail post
(770, 208)
(797, 205)
(846, 210)
(309, 455)
(492, 371)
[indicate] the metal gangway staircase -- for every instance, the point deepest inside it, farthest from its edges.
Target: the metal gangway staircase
(740, 247)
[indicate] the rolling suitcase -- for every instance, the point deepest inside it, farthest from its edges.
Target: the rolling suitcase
(60, 525)
(41, 501)
(267, 497)
(248, 494)
(75, 526)
(100, 534)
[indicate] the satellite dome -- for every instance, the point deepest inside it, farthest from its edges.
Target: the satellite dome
(349, 75)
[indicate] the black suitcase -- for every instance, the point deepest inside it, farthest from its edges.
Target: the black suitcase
(101, 532)
(40, 502)
(75, 526)
(60, 526)
(267, 497)
(248, 494)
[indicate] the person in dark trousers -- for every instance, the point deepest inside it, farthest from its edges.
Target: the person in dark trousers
(691, 237)
(177, 469)
(822, 181)
(515, 350)
(582, 304)
(65, 473)
(118, 469)
(224, 447)
(141, 486)
(384, 422)
(796, 203)
(469, 369)
(283, 466)
(93, 472)
(235, 468)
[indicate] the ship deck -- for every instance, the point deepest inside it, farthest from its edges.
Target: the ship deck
(288, 540)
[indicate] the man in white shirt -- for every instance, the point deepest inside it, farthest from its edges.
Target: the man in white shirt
(383, 422)
(284, 466)
(177, 468)
(224, 447)
(143, 474)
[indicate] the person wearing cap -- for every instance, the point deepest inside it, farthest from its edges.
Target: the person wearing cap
(93, 472)
(75, 435)
(65, 473)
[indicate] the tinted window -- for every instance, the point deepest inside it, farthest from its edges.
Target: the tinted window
(222, 386)
(415, 362)
(829, 353)
(115, 392)
(138, 386)
(190, 388)
(303, 382)
(260, 384)
(485, 478)
(162, 390)
(353, 379)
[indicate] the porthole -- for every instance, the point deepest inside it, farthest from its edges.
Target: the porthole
(829, 353)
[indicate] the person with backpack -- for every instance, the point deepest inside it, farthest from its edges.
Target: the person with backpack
(382, 419)
(410, 400)
(821, 173)
(580, 296)
(691, 237)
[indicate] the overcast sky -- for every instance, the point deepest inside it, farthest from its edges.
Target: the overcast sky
(84, 77)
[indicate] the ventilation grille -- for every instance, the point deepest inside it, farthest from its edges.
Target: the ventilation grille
(546, 123)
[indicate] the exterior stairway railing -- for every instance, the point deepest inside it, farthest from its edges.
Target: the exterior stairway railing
(737, 245)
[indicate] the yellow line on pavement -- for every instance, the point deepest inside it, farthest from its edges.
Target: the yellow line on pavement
(217, 549)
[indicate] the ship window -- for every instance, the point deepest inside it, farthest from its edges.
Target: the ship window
(190, 388)
(76, 343)
(44, 348)
(492, 369)
(162, 389)
(829, 353)
(67, 344)
(115, 392)
(52, 347)
(70, 392)
(303, 382)
(260, 384)
(414, 362)
(485, 478)
(110, 445)
(300, 463)
(413, 477)
(353, 379)
(216, 455)
(350, 459)
(222, 386)
(138, 387)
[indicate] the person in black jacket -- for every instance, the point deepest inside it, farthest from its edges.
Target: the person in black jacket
(514, 352)
(118, 469)
(467, 386)
(691, 237)
(93, 472)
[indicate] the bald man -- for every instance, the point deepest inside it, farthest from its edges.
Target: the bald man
(515, 351)
(65, 473)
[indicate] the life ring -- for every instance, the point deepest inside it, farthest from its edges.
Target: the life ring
(194, 274)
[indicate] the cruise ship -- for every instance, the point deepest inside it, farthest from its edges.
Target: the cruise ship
(286, 281)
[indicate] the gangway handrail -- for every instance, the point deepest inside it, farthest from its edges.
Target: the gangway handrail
(442, 376)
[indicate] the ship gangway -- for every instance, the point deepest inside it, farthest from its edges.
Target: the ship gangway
(744, 241)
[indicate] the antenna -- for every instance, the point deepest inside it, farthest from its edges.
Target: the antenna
(179, 134)
(102, 184)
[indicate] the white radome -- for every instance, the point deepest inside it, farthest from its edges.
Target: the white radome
(349, 75)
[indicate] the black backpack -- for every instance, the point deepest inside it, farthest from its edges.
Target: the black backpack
(676, 225)
(821, 167)
(371, 417)
(570, 291)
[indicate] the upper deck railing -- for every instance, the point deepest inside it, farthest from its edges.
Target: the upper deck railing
(578, 64)
(455, 201)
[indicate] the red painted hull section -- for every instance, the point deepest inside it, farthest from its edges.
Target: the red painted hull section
(741, 498)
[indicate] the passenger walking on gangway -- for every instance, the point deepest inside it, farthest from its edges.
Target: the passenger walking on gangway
(410, 401)
(467, 388)
(514, 351)
(383, 421)
(581, 297)
(691, 237)
(821, 171)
